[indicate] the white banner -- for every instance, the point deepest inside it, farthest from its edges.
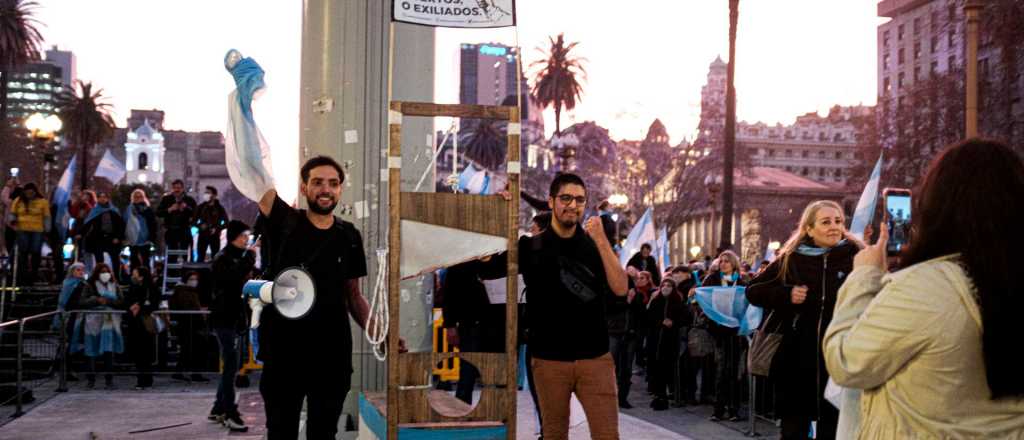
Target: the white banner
(455, 13)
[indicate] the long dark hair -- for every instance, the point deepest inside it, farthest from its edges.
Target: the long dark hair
(965, 205)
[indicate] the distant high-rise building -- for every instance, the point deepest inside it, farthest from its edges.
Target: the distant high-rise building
(488, 74)
(33, 88)
(65, 59)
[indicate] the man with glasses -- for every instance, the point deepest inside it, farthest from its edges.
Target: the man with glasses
(569, 270)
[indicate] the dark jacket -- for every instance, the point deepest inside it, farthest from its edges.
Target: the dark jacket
(231, 269)
(465, 297)
(799, 366)
(648, 264)
(624, 316)
(210, 217)
(663, 342)
(100, 232)
(91, 297)
(179, 219)
(147, 296)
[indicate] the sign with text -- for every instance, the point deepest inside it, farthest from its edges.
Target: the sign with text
(455, 13)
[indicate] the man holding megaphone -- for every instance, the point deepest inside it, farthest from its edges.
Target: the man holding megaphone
(305, 340)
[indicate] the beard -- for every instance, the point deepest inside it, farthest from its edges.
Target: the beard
(316, 208)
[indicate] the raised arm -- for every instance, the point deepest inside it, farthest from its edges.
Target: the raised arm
(615, 274)
(267, 202)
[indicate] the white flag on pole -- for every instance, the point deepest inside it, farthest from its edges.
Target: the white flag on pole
(642, 232)
(110, 168)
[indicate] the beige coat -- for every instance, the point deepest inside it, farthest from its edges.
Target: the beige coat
(912, 341)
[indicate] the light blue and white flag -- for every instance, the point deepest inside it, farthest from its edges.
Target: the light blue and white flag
(475, 181)
(246, 153)
(61, 195)
(728, 306)
(110, 168)
(866, 205)
(662, 248)
(642, 232)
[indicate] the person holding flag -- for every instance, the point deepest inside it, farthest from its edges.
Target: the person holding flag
(103, 231)
(726, 273)
(799, 289)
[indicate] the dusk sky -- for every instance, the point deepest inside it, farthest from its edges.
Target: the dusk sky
(646, 59)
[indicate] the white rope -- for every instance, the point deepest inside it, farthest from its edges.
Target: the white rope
(377, 324)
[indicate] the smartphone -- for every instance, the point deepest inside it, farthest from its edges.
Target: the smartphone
(14, 172)
(897, 217)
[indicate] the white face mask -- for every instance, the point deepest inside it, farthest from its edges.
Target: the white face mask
(666, 291)
(105, 277)
(192, 283)
(207, 197)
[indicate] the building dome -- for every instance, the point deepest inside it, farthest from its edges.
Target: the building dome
(718, 64)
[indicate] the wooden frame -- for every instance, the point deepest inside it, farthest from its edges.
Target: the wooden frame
(407, 404)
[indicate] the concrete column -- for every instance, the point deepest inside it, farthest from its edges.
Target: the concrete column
(343, 114)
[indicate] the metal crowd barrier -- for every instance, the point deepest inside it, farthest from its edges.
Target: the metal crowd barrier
(40, 346)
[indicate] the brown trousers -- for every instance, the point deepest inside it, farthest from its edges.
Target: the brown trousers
(593, 381)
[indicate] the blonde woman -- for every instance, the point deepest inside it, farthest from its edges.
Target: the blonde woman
(798, 291)
(140, 228)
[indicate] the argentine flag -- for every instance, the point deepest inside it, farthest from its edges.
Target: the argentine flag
(662, 248)
(642, 232)
(866, 205)
(728, 306)
(110, 168)
(246, 153)
(61, 194)
(475, 181)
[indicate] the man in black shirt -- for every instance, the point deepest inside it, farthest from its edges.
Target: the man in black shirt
(644, 261)
(569, 270)
(231, 269)
(177, 209)
(311, 357)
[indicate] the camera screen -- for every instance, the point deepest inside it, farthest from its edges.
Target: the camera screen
(898, 210)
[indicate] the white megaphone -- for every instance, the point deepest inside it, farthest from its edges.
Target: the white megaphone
(292, 292)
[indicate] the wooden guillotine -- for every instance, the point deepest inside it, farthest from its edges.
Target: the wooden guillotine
(407, 408)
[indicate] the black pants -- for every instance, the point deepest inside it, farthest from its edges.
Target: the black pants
(704, 367)
(798, 427)
(284, 387)
(139, 256)
(228, 339)
(623, 350)
(189, 332)
(204, 241)
(141, 346)
(727, 382)
(473, 337)
(177, 239)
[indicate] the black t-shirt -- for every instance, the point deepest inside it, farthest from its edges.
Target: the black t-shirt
(563, 327)
(322, 338)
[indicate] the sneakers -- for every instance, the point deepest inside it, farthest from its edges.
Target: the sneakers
(234, 422)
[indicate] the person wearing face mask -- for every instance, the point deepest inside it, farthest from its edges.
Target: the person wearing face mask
(103, 231)
(140, 229)
(100, 333)
(211, 219)
(186, 296)
(798, 292)
(142, 298)
(664, 317)
(728, 344)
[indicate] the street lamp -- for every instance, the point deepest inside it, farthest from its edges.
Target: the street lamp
(44, 130)
(694, 252)
(618, 200)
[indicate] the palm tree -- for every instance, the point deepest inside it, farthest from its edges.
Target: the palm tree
(19, 43)
(87, 121)
(730, 131)
(486, 143)
(557, 83)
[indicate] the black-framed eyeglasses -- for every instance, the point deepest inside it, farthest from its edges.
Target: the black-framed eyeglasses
(567, 200)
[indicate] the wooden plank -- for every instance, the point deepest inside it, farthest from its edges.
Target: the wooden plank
(394, 270)
(512, 300)
(482, 214)
(452, 425)
(429, 109)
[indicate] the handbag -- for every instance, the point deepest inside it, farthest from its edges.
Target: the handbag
(154, 324)
(763, 348)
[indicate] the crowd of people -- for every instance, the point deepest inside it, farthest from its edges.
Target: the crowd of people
(924, 338)
(101, 232)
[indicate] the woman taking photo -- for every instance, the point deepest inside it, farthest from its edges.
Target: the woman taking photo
(727, 343)
(935, 345)
(798, 291)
